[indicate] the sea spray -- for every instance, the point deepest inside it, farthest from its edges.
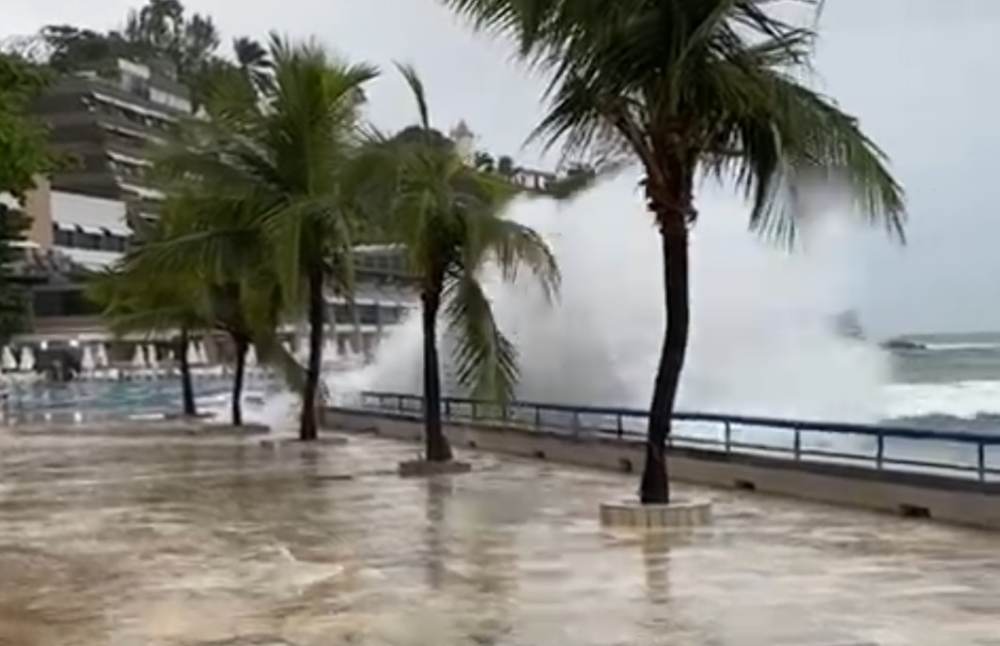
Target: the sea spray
(764, 339)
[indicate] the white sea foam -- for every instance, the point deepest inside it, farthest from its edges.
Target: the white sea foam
(961, 399)
(944, 347)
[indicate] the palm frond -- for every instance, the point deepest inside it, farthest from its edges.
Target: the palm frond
(485, 360)
(273, 353)
(680, 85)
(511, 245)
(419, 95)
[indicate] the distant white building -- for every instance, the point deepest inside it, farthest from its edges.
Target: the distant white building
(465, 142)
(533, 180)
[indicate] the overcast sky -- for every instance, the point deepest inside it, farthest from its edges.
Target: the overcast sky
(921, 75)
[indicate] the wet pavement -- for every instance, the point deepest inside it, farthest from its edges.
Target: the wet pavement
(221, 541)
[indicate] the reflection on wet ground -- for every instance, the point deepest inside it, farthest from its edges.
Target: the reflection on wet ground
(225, 542)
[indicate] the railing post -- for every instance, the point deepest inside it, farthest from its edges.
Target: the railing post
(576, 422)
(982, 461)
(729, 437)
(447, 408)
(538, 416)
(473, 410)
(621, 431)
(880, 454)
(798, 444)
(399, 403)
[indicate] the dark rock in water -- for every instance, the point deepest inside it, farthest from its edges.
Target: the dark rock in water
(903, 344)
(848, 325)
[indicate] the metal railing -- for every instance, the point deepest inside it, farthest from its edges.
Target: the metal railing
(949, 453)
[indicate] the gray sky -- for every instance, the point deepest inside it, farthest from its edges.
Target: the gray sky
(919, 73)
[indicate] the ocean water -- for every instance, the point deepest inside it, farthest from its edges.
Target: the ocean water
(946, 381)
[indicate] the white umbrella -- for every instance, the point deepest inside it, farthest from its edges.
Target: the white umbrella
(27, 360)
(151, 356)
(302, 353)
(192, 354)
(251, 359)
(8, 362)
(138, 358)
(87, 362)
(202, 354)
(102, 356)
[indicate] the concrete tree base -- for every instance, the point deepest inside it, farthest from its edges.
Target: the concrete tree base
(417, 468)
(682, 513)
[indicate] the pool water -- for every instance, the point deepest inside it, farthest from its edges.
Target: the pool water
(134, 399)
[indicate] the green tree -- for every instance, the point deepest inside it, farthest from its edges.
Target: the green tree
(449, 217)
(485, 162)
(162, 28)
(216, 250)
(505, 166)
(252, 59)
(13, 296)
(710, 87)
(24, 156)
(194, 273)
(72, 48)
(23, 141)
(282, 162)
(134, 300)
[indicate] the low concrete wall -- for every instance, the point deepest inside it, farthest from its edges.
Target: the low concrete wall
(917, 495)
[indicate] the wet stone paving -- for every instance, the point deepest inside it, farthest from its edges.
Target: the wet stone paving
(225, 542)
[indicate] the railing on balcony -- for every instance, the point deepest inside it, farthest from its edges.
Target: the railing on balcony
(944, 453)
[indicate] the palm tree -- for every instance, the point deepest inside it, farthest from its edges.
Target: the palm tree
(136, 301)
(711, 87)
(279, 159)
(448, 215)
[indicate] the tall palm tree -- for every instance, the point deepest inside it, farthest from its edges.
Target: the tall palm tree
(279, 159)
(712, 87)
(448, 215)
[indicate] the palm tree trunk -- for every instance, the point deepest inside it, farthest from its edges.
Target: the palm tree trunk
(655, 487)
(309, 427)
(241, 357)
(437, 448)
(187, 387)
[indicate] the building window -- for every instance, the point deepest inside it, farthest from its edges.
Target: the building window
(62, 237)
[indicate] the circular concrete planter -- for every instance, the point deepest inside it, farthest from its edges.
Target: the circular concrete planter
(417, 468)
(682, 513)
